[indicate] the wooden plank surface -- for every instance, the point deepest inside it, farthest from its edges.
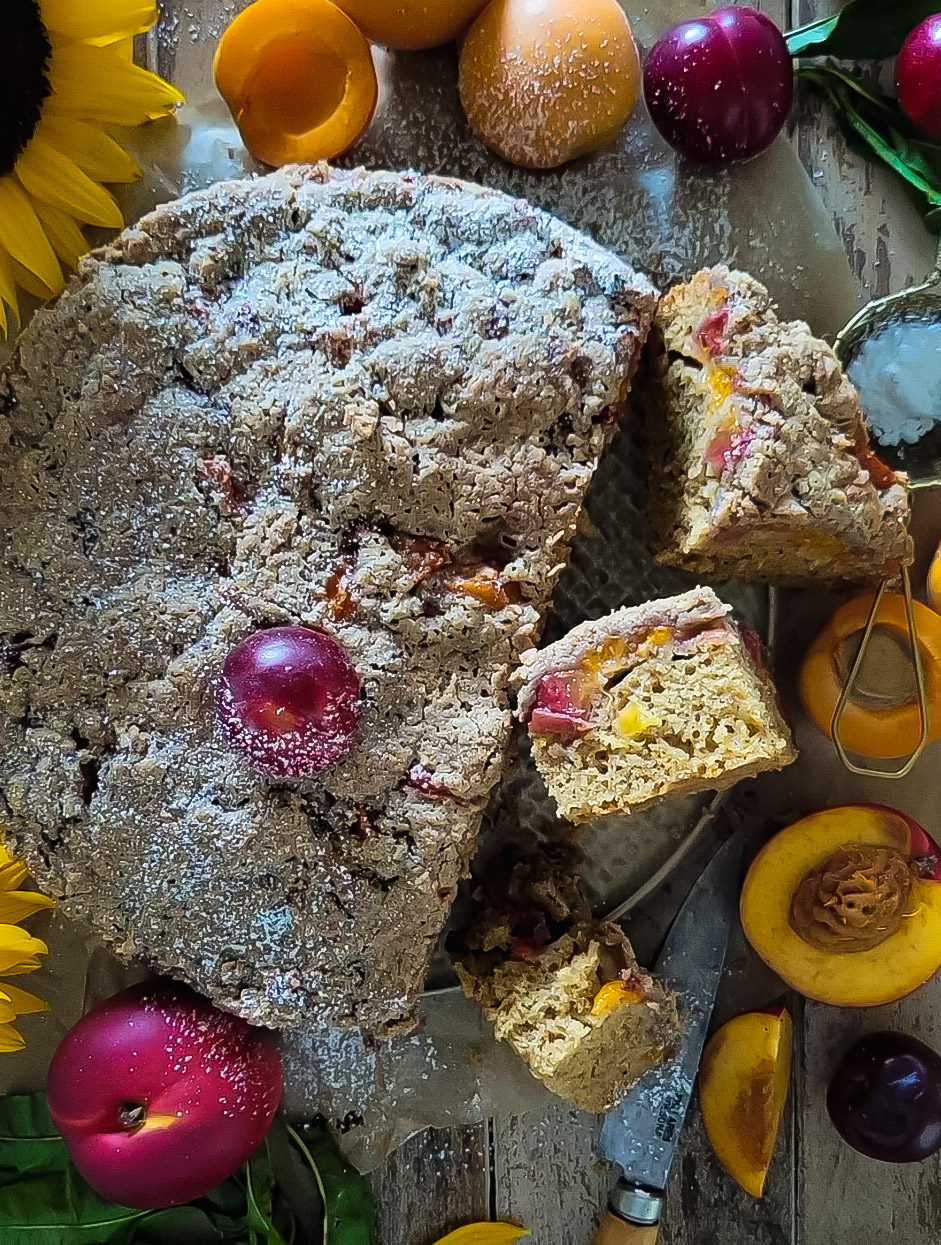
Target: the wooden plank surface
(540, 1169)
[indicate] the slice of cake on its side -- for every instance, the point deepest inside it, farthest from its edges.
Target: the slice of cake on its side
(761, 461)
(566, 992)
(658, 700)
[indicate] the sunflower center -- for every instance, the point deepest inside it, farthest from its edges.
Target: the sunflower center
(24, 77)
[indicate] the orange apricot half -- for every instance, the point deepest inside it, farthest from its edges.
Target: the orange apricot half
(299, 79)
(882, 718)
(845, 905)
(743, 1083)
(410, 25)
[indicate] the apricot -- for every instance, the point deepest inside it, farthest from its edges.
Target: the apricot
(410, 25)
(544, 81)
(882, 717)
(299, 79)
(845, 905)
(743, 1082)
(934, 581)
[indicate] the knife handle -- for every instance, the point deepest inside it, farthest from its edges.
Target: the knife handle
(617, 1231)
(633, 1216)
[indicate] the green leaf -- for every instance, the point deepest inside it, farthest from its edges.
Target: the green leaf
(29, 1141)
(296, 1190)
(183, 1225)
(61, 1209)
(879, 124)
(862, 30)
(349, 1211)
(260, 1188)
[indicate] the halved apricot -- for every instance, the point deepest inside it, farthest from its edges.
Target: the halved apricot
(845, 905)
(299, 79)
(743, 1083)
(882, 718)
(410, 25)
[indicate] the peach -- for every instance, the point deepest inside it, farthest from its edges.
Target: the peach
(934, 581)
(410, 25)
(845, 905)
(743, 1083)
(299, 79)
(544, 81)
(882, 717)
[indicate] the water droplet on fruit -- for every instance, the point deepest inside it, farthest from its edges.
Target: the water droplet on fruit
(289, 702)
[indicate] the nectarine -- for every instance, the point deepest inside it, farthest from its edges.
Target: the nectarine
(743, 1083)
(544, 81)
(882, 718)
(299, 79)
(410, 25)
(845, 905)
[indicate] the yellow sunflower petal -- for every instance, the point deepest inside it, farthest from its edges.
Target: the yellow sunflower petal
(98, 19)
(95, 152)
(22, 237)
(17, 945)
(68, 241)
(10, 1040)
(27, 281)
(29, 965)
(16, 906)
(7, 1010)
(6, 856)
(51, 177)
(13, 871)
(98, 84)
(26, 1004)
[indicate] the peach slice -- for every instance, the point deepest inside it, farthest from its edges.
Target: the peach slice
(743, 1084)
(845, 905)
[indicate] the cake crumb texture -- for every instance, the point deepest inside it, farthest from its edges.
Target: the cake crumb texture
(761, 466)
(369, 403)
(662, 700)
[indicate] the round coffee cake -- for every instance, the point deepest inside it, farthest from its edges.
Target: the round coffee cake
(363, 403)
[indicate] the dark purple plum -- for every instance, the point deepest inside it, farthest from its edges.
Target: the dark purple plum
(918, 76)
(719, 87)
(289, 701)
(885, 1098)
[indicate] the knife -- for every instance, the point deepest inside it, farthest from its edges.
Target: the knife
(641, 1134)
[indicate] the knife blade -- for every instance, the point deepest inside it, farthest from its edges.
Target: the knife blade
(641, 1134)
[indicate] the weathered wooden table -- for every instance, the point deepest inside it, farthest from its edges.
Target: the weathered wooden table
(541, 1169)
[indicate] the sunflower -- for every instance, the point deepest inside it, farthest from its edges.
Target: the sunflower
(66, 74)
(19, 950)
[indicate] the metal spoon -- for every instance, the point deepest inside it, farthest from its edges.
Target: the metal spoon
(922, 464)
(921, 461)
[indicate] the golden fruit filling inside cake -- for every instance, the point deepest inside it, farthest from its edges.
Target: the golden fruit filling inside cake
(761, 461)
(657, 700)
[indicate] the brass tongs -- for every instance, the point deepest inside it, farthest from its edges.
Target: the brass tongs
(922, 463)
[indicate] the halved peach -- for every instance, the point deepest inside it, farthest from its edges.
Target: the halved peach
(743, 1083)
(845, 905)
(882, 717)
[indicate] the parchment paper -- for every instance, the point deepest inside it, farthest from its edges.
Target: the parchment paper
(668, 218)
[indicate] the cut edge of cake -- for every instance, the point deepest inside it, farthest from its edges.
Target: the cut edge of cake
(652, 702)
(761, 463)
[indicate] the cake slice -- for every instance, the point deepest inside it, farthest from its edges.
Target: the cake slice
(658, 700)
(761, 465)
(565, 991)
